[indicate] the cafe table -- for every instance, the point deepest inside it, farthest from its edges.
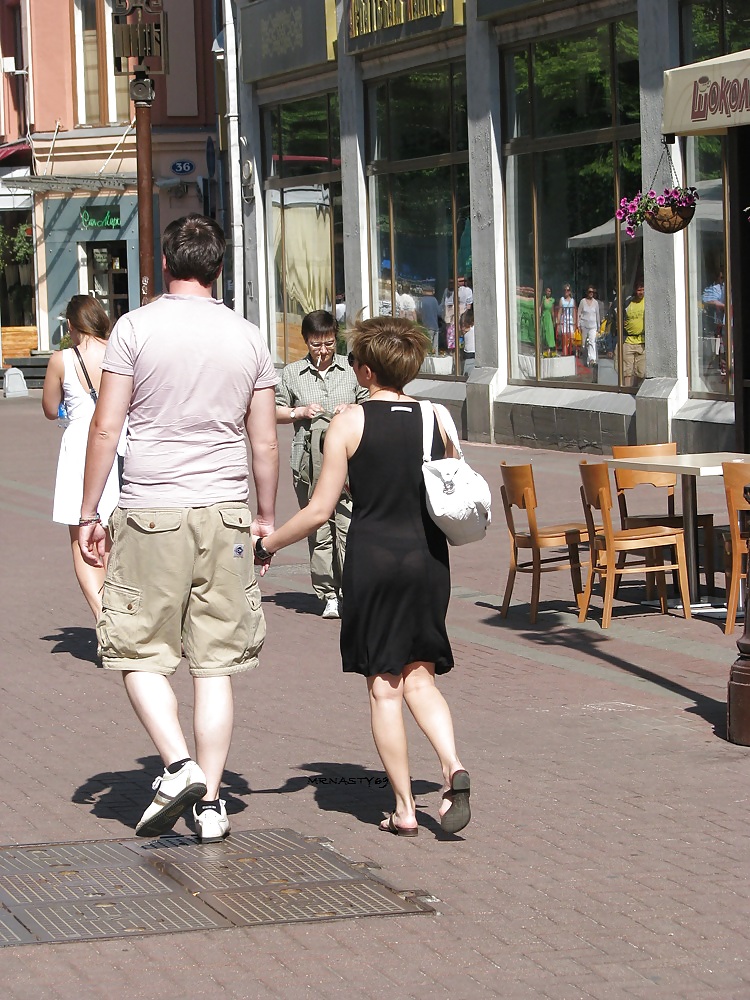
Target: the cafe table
(689, 468)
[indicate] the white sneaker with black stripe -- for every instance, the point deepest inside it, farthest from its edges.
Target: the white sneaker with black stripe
(331, 609)
(174, 793)
(211, 825)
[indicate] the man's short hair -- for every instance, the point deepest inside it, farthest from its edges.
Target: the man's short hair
(319, 322)
(193, 248)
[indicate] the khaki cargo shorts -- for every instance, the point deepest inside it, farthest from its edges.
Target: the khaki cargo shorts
(181, 577)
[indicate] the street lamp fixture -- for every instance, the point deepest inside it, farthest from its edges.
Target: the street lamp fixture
(139, 36)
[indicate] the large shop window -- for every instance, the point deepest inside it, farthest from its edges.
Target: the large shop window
(573, 150)
(419, 208)
(101, 97)
(708, 30)
(303, 210)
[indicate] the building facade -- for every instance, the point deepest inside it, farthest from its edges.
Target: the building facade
(462, 164)
(65, 106)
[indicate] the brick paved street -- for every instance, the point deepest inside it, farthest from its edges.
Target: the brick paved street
(608, 857)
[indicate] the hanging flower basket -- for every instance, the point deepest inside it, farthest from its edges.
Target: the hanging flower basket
(668, 212)
(670, 218)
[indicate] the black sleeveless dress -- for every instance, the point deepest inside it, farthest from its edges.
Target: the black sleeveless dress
(396, 581)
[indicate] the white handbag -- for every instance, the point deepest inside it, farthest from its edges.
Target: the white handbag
(458, 499)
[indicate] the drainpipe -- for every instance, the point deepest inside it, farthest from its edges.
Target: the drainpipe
(234, 157)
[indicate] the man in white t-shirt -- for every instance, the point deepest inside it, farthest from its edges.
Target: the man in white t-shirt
(192, 377)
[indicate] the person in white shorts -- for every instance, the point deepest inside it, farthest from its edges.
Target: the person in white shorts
(192, 377)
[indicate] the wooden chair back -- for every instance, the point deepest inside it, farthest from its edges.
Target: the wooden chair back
(518, 491)
(736, 478)
(629, 479)
(596, 495)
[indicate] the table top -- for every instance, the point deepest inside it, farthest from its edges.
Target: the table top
(703, 464)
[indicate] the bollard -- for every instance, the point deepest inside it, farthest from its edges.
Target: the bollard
(738, 689)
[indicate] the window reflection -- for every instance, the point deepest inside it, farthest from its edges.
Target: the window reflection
(708, 297)
(422, 262)
(305, 226)
(567, 260)
(572, 83)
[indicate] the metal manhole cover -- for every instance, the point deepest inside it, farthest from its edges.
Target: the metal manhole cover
(11, 932)
(67, 884)
(42, 857)
(116, 918)
(115, 889)
(310, 902)
(258, 870)
(188, 849)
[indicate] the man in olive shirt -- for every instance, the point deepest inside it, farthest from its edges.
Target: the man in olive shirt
(634, 346)
(310, 391)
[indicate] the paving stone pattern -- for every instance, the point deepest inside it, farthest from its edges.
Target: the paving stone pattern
(608, 854)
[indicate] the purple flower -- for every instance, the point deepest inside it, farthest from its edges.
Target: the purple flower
(661, 200)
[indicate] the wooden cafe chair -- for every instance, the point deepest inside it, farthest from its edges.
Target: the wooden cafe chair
(736, 478)
(518, 490)
(630, 479)
(607, 545)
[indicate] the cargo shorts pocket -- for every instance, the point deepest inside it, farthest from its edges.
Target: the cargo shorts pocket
(236, 517)
(152, 522)
(115, 629)
(256, 632)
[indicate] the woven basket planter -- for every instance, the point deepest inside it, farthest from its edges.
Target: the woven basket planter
(671, 220)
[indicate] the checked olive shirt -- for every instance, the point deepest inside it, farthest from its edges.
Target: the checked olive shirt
(301, 384)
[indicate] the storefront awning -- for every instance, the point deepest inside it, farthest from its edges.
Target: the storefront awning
(19, 198)
(12, 148)
(707, 97)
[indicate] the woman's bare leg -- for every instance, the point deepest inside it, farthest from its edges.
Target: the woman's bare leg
(432, 715)
(90, 578)
(386, 697)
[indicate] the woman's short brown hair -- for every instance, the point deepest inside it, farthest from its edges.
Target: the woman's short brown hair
(393, 348)
(86, 315)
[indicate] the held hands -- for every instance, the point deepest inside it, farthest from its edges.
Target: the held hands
(260, 529)
(92, 543)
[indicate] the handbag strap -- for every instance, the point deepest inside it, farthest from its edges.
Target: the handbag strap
(432, 410)
(92, 390)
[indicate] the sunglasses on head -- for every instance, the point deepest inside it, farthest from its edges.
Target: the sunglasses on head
(352, 360)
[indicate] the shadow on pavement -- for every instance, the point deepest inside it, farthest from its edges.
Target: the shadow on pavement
(123, 795)
(77, 641)
(357, 791)
(594, 644)
(303, 604)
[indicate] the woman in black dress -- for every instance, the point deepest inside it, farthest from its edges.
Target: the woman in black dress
(396, 572)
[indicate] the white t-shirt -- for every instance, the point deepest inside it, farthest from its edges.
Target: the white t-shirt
(194, 365)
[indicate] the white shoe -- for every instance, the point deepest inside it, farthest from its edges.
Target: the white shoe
(331, 610)
(212, 825)
(174, 793)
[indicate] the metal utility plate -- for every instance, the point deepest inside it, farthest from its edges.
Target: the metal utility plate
(114, 889)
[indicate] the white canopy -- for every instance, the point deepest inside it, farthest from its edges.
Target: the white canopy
(709, 214)
(707, 97)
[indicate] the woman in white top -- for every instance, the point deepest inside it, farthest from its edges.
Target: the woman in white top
(65, 382)
(589, 320)
(567, 320)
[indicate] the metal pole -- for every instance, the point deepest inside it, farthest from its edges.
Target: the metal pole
(145, 199)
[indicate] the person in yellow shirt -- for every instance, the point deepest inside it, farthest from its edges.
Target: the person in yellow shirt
(634, 346)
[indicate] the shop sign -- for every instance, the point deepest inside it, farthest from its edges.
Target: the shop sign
(709, 96)
(106, 217)
(283, 36)
(379, 22)
(525, 8)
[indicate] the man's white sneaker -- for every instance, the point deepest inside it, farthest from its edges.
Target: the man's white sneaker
(211, 825)
(331, 610)
(174, 793)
